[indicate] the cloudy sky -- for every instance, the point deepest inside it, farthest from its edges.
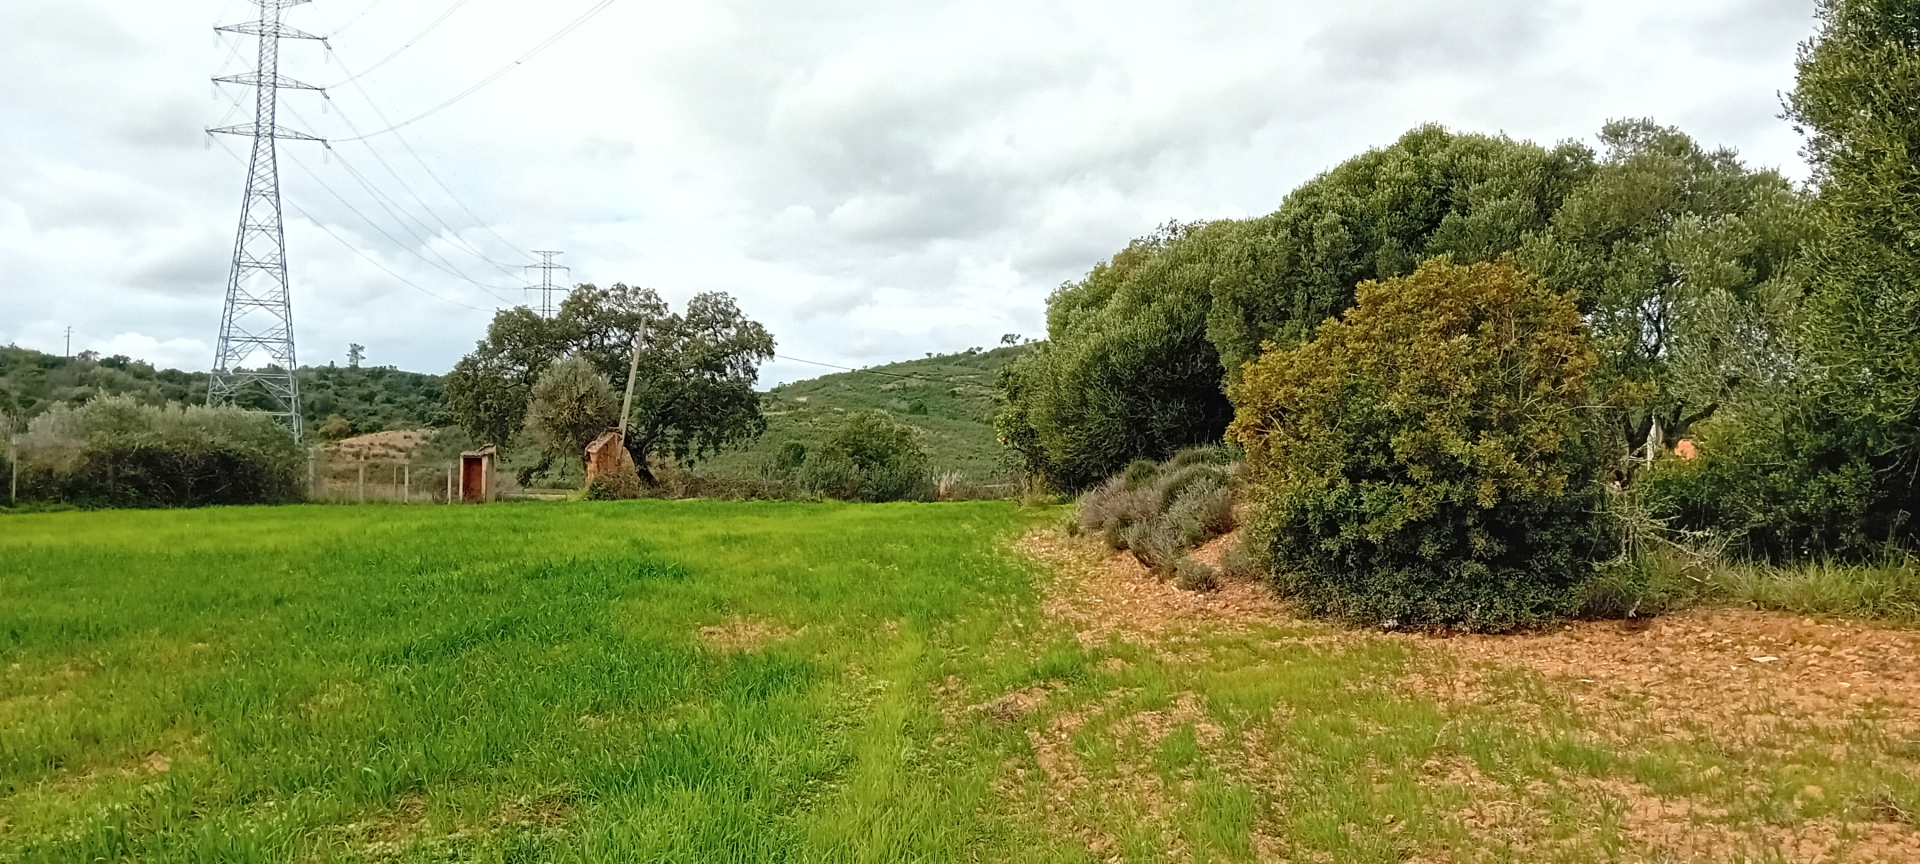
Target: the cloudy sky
(873, 180)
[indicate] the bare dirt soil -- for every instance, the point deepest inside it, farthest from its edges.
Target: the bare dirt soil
(1747, 685)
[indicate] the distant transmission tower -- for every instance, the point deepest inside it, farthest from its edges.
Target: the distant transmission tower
(546, 286)
(259, 316)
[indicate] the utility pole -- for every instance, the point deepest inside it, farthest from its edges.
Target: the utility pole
(69, 343)
(633, 371)
(546, 286)
(259, 313)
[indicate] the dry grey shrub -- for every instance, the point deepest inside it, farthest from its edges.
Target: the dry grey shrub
(1161, 513)
(1191, 575)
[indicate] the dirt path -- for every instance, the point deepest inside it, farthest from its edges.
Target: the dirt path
(1765, 695)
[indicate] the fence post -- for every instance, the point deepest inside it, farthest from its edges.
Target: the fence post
(13, 465)
(363, 481)
(406, 487)
(449, 482)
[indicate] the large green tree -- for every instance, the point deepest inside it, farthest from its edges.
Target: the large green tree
(1377, 216)
(1859, 85)
(1138, 352)
(694, 392)
(1127, 371)
(1681, 258)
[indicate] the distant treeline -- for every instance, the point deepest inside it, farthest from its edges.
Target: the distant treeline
(363, 398)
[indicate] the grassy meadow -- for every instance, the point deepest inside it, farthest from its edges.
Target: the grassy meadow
(509, 683)
(710, 681)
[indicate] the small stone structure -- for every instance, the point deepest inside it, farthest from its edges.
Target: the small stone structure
(476, 476)
(610, 470)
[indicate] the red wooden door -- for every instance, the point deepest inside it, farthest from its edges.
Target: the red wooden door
(473, 479)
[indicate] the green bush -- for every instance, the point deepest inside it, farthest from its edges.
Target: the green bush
(790, 456)
(1777, 494)
(1426, 461)
(869, 458)
(114, 452)
(1140, 473)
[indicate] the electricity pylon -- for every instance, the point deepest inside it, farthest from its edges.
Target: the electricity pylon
(546, 286)
(259, 314)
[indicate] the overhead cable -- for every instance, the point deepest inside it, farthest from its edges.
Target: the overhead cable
(355, 249)
(595, 10)
(393, 209)
(404, 46)
(355, 20)
(423, 166)
(462, 242)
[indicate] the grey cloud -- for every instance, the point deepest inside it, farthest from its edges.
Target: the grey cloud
(1388, 40)
(1755, 28)
(161, 120)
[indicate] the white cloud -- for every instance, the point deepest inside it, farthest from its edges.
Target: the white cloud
(171, 354)
(873, 180)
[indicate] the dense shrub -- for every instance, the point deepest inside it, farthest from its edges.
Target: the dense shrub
(869, 458)
(1426, 460)
(1137, 352)
(1780, 488)
(114, 452)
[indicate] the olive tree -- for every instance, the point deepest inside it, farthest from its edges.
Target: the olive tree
(571, 405)
(694, 392)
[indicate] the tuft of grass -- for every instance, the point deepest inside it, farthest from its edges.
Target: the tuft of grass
(1886, 591)
(1191, 575)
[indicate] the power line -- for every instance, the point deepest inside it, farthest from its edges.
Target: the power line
(393, 209)
(355, 20)
(371, 103)
(448, 268)
(408, 44)
(461, 242)
(356, 250)
(595, 10)
(383, 232)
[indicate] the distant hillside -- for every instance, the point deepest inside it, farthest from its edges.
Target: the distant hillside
(949, 398)
(370, 398)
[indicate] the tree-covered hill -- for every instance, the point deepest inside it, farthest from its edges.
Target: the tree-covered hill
(949, 398)
(367, 398)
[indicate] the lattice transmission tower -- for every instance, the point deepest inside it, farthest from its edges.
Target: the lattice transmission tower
(546, 286)
(258, 318)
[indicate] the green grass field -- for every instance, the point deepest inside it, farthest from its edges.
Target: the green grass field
(702, 681)
(511, 683)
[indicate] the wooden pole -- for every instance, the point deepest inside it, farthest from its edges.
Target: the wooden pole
(450, 482)
(406, 488)
(633, 370)
(13, 465)
(363, 481)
